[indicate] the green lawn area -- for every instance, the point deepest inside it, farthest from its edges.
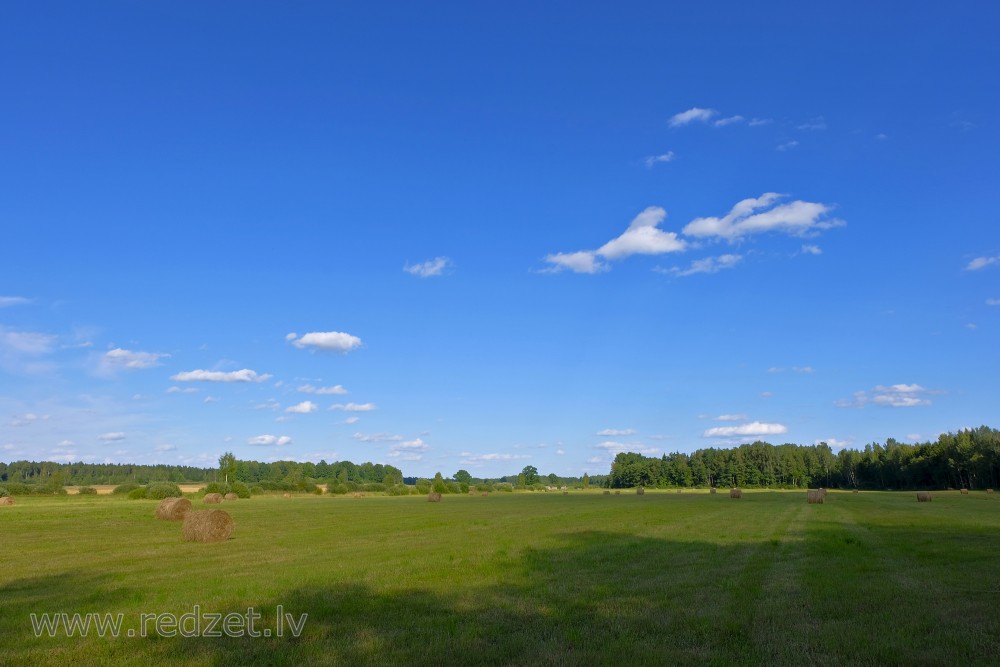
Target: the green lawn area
(515, 579)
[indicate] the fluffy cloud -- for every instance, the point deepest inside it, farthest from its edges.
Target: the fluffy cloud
(305, 407)
(612, 447)
(112, 437)
(471, 459)
(654, 160)
(377, 437)
(334, 341)
(836, 443)
(722, 122)
(322, 391)
(615, 432)
(765, 214)
(892, 396)
(750, 429)
(818, 123)
(269, 440)
(812, 250)
(692, 115)
(165, 448)
(643, 237)
(353, 407)
(708, 265)
(787, 146)
(119, 358)
(6, 301)
(993, 302)
(182, 390)
(244, 375)
(730, 418)
(27, 342)
(428, 269)
(981, 263)
(411, 450)
(24, 420)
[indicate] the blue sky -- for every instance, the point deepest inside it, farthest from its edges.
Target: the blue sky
(487, 237)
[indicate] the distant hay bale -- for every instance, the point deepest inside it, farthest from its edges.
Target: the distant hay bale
(855, 491)
(815, 497)
(7, 500)
(618, 492)
(607, 493)
(286, 495)
(484, 494)
(823, 491)
(434, 497)
(736, 493)
(173, 509)
(923, 497)
(640, 491)
(230, 496)
(712, 490)
(207, 526)
(990, 491)
(964, 492)
(565, 493)
(212, 498)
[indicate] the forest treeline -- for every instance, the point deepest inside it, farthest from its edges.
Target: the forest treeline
(966, 459)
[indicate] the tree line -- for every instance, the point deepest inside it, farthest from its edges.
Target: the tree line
(969, 458)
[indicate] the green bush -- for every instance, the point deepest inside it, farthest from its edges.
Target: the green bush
(256, 490)
(87, 491)
(398, 490)
(161, 490)
(307, 486)
(4, 492)
(125, 488)
(337, 489)
(216, 487)
(463, 487)
(423, 486)
(453, 487)
(138, 493)
(373, 487)
(241, 489)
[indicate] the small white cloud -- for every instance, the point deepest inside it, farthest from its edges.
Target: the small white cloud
(269, 440)
(244, 375)
(303, 408)
(182, 390)
(431, 268)
(653, 160)
(982, 262)
(616, 432)
(269, 404)
(766, 394)
(377, 437)
(806, 370)
(730, 418)
(353, 407)
(27, 342)
(468, 458)
(114, 436)
(836, 443)
(812, 250)
(971, 326)
(560, 452)
(352, 420)
(583, 261)
(332, 341)
(322, 391)
(708, 265)
(751, 429)
(119, 358)
(722, 122)
(695, 114)
(892, 396)
(993, 302)
(7, 301)
(211, 399)
(757, 122)
(411, 450)
(764, 214)
(881, 136)
(165, 448)
(613, 447)
(787, 146)
(24, 420)
(818, 123)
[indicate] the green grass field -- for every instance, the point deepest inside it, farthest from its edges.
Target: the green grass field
(516, 579)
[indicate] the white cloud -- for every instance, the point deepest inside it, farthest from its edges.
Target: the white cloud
(165, 448)
(119, 358)
(244, 375)
(269, 440)
(765, 214)
(617, 447)
(730, 418)
(893, 396)
(334, 341)
(27, 342)
(751, 429)
(560, 452)
(722, 122)
(836, 443)
(756, 122)
(881, 136)
(411, 450)
(428, 269)
(971, 326)
(182, 390)
(468, 458)
(812, 250)
(993, 302)
(787, 146)
(981, 263)
(25, 420)
(818, 123)
(322, 391)
(269, 404)
(352, 420)
(377, 437)
(211, 399)
(354, 407)
(114, 436)
(615, 432)
(708, 265)
(305, 407)
(653, 160)
(6, 301)
(643, 237)
(695, 114)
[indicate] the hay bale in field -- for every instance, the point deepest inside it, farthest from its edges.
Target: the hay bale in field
(990, 491)
(640, 491)
(230, 496)
(607, 493)
(7, 500)
(712, 490)
(173, 509)
(855, 491)
(823, 491)
(484, 494)
(207, 526)
(212, 498)
(964, 492)
(617, 492)
(923, 497)
(815, 497)
(736, 493)
(565, 493)
(678, 490)
(434, 497)
(286, 495)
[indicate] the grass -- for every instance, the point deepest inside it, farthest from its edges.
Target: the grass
(513, 579)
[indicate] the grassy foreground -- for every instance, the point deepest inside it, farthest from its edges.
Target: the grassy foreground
(516, 579)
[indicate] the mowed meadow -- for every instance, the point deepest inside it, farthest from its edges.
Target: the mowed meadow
(525, 578)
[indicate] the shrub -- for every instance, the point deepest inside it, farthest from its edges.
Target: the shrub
(4, 492)
(374, 487)
(216, 487)
(423, 487)
(241, 489)
(138, 493)
(463, 487)
(506, 487)
(125, 488)
(87, 491)
(398, 490)
(161, 490)
(453, 487)
(256, 490)
(338, 489)
(308, 487)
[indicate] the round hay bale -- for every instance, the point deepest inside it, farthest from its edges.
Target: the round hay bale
(736, 493)
(823, 491)
(990, 491)
(712, 490)
(964, 492)
(286, 495)
(434, 497)
(815, 497)
(207, 526)
(230, 496)
(212, 498)
(618, 493)
(565, 493)
(484, 494)
(855, 491)
(923, 497)
(7, 500)
(678, 491)
(173, 509)
(640, 491)
(607, 493)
